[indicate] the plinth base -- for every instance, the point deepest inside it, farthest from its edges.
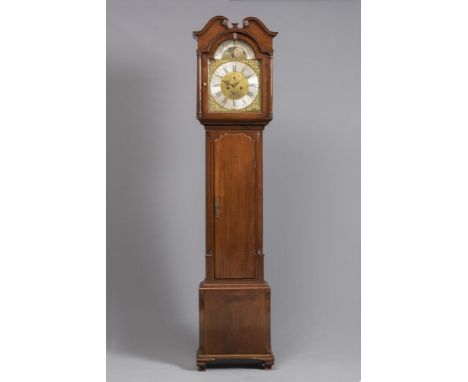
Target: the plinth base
(264, 361)
(234, 324)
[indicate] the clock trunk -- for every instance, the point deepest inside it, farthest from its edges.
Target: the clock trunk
(235, 183)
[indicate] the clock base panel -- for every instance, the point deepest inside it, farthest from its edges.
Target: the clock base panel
(235, 324)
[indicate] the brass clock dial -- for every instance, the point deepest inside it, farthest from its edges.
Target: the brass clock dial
(234, 85)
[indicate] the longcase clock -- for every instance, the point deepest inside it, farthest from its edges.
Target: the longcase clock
(234, 103)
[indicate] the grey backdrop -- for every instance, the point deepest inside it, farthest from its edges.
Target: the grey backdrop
(155, 158)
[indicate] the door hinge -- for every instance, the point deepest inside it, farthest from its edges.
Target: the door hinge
(254, 164)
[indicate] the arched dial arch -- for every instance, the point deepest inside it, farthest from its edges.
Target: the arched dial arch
(234, 48)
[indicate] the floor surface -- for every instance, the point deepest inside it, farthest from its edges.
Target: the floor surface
(307, 367)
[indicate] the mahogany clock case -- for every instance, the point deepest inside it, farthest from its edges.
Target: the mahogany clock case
(234, 297)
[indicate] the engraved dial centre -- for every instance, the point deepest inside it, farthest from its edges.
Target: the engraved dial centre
(234, 85)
